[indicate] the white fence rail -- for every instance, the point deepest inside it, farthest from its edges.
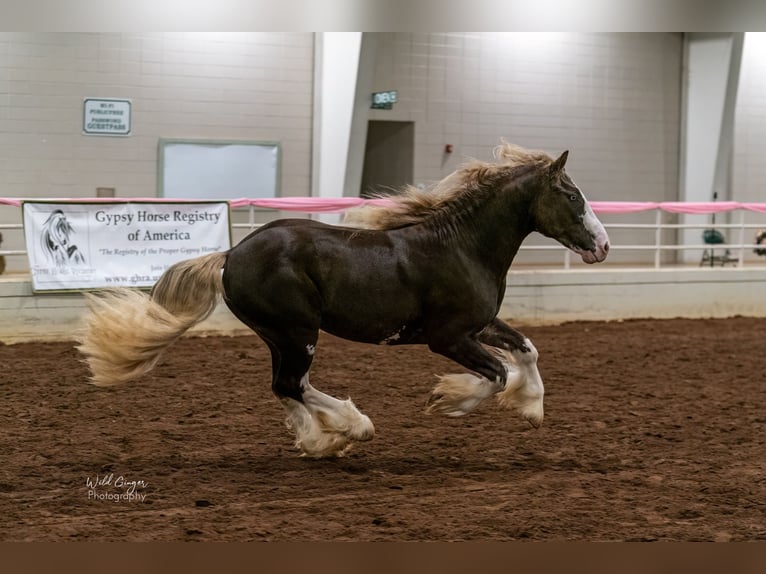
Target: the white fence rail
(661, 236)
(745, 243)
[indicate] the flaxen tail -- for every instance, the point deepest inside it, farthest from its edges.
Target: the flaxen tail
(127, 330)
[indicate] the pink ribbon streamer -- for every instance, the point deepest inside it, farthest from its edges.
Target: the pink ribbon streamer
(622, 206)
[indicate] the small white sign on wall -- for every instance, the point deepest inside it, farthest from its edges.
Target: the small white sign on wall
(106, 116)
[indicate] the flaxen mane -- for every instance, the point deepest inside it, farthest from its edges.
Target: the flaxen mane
(456, 191)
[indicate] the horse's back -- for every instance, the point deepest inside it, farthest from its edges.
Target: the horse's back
(361, 284)
(316, 247)
(279, 252)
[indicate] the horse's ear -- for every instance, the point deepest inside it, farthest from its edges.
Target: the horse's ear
(558, 165)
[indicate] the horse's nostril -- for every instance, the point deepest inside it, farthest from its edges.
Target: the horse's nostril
(606, 247)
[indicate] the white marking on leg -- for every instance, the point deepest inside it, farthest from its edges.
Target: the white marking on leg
(337, 416)
(524, 390)
(323, 425)
(309, 436)
(393, 338)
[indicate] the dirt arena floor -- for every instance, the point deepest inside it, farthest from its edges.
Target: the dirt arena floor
(654, 430)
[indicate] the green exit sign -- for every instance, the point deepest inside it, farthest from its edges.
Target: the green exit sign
(383, 100)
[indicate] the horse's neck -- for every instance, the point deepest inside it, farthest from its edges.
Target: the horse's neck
(499, 227)
(489, 232)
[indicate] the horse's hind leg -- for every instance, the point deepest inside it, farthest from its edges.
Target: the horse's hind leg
(525, 391)
(340, 420)
(323, 425)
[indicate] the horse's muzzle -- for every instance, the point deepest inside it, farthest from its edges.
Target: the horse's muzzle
(597, 254)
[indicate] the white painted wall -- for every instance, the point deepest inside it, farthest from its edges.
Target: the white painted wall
(536, 297)
(707, 63)
(336, 68)
(361, 114)
(707, 126)
(532, 298)
(748, 165)
(612, 99)
(749, 177)
(249, 86)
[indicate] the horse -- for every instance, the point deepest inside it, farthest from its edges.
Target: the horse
(427, 268)
(56, 240)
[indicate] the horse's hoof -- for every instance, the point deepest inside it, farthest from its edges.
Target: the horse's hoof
(533, 423)
(534, 416)
(364, 430)
(338, 451)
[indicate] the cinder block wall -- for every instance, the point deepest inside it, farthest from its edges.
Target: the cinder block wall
(249, 86)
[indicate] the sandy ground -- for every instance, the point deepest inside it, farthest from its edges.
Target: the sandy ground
(654, 430)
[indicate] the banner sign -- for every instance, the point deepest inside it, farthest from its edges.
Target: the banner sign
(74, 246)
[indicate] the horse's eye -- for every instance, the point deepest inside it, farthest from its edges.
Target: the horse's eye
(573, 197)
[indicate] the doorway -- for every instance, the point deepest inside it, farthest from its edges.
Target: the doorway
(388, 157)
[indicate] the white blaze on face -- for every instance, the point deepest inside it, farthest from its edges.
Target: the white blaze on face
(600, 237)
(597, 232)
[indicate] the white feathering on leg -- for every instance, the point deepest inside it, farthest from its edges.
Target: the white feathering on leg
(310, 438)
(323, 425)
(524, 388)
(458, 394)
(337, 416)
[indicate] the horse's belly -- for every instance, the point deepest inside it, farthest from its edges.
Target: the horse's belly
(403, 335)
(372, 324)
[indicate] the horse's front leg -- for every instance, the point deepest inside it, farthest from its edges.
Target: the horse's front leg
(501, 335)
(525, 391)
(458, 394)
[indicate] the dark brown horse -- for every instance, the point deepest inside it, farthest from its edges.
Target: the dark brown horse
(428, 269)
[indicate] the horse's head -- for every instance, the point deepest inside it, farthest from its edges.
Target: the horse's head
(562, 213)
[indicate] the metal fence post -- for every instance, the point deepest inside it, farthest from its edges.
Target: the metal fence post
(741, 260)
(657, 238)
